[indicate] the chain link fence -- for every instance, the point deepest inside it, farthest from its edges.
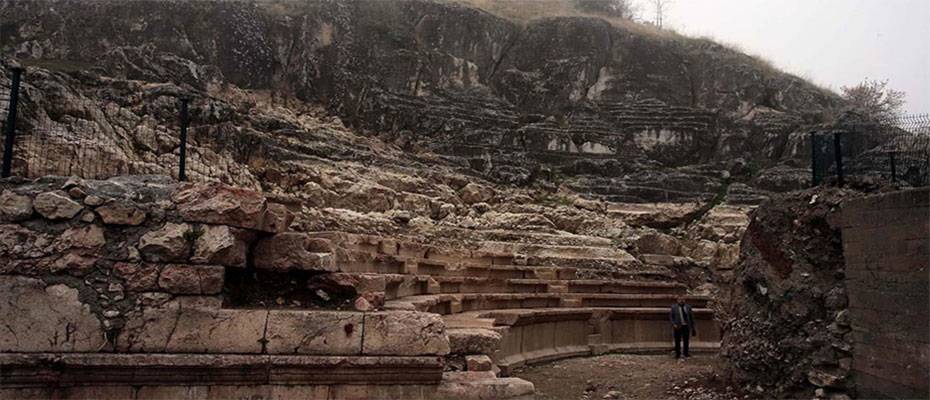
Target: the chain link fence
(894, 152)
(70, 145)
(897, 151)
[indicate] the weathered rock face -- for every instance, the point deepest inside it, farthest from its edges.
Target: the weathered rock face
(118, 213)
(56, 205)
(14, 208)
(786, 327)
(221, 204)
(293, 251)
(170, 243)
(611, 110)
(47, 318)
(404, 333)
(223, 245)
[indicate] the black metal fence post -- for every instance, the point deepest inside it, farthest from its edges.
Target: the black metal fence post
(893, 171)
(182, 164)
(814, 178)
(838, 155)
(10, 134)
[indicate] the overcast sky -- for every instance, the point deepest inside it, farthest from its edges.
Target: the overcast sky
(832, 42)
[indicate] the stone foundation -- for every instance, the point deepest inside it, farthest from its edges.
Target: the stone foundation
(141, 287)
(886, 243)
(117, 289)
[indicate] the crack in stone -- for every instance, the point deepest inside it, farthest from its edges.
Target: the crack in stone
(174, 327)
(264, 340)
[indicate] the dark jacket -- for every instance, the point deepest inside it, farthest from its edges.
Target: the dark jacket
(676, 318)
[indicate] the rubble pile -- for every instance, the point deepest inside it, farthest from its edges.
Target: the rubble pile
(785, 318)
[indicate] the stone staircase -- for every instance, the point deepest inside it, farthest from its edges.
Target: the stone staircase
(508, 304)
(221, 296)
(161, 323)
(603, 140)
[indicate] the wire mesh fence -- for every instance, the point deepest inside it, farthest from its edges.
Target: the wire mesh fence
(84, 144)
(897, 152)
(196, 146)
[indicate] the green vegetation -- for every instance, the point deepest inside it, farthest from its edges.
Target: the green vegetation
(875, 100)
(192, 235)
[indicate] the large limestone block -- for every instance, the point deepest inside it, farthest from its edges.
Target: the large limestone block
(56, 205)
(479, 362)
(73, 263)
(482, 385)
(37, 318)
(222, 245)
(314, 332)
(14, 207)
(191, 279)
(228, 205)
(404, 333)
(171, 243)
(302, 392)
(139, 277)
(82, 237)
(474, 341)
(293, 251)
(474, 193)
(367, 197)
(193, 325)
(658, 243)
(121, 213)
(276, 218)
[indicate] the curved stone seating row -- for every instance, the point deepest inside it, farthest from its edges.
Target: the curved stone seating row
(519, 308)
(366, 253)
(528, 336)
(444, 304)
(399, 285)
(490, 285)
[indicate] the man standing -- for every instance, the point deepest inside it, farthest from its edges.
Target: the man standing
(682, 322)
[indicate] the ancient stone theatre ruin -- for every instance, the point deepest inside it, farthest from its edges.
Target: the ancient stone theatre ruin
(426, 199)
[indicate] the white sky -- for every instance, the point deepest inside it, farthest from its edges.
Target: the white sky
(835, 43)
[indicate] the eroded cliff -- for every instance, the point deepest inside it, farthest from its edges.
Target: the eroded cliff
(612, 112)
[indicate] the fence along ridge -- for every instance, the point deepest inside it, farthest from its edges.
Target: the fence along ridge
(902, 144)
(54, 148)
(897, 150)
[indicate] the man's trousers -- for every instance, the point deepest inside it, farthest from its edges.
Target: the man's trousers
(682, 334)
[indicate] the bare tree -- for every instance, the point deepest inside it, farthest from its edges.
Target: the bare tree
(611, 8)
(661, 7)
(875, 100)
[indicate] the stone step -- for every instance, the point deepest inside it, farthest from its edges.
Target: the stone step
(609, 286)
(365, 253)
(665, 260)
(495, 271)
(397, 286)
(516, 337)
(542, 238)
(488, 285)
(388, 265)
(445, 304)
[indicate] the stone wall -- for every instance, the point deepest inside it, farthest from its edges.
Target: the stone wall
(886, 243)
(118, 287)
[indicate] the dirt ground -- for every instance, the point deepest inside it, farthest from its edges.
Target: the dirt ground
(630, 377)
